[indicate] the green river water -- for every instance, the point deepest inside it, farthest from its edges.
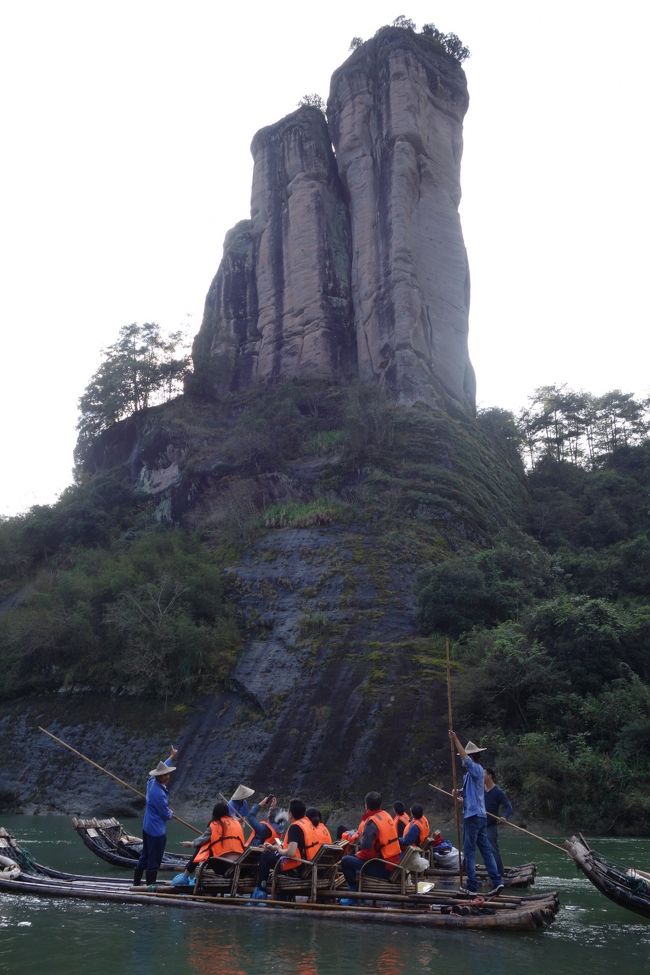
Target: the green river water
(39, 936)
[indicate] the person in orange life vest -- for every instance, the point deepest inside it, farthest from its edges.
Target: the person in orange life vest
(321, 829)
(401, 817)
(417, 830)
(299, 843)
(378, 841)
(224, 837)
(269, 830)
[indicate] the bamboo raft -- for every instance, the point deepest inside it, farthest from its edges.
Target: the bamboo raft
(627, 887)
(108, 840)
(519, 876)
(19, 874)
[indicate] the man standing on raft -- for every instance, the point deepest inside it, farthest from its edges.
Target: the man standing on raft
(475, 818)
(154, 823)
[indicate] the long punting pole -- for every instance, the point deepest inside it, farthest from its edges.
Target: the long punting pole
(507, 822)
(106, 772)
(453, 766)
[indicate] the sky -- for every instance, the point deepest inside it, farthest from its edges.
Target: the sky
(126, 132)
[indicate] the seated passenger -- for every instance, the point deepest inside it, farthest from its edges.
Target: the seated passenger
(238, 802)
(224, 838)
(378, 841)
(417, 831)
(401, 817)
(266, 830)
(300, 843)
(322, 831)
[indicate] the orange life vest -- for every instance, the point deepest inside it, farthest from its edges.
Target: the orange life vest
(401, 818)
(353, 835)
(226, 836)
(271, 839)
(423, 825)
(323, 833)
(313, 843)
(387, 841)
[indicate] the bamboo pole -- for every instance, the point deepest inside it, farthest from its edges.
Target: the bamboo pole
(453, 767)
(110, 774)
(506, 822)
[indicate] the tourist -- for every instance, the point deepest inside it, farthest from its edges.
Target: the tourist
(223, 838)
(475, 818)
(321, 829)
(401, 817)
(495, 798)
(238, 802)
(378, 841)
(300, 843)
(154, 823)
(266, 830)
(416, 832)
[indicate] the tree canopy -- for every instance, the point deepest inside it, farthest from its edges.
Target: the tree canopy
(141, 368)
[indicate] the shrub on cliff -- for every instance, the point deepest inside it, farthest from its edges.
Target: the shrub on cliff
(148, 615)
(140, 368)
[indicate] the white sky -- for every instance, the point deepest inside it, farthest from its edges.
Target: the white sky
(126, 130)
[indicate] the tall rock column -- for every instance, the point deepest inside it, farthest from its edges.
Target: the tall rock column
(279, 306)
(395, 113)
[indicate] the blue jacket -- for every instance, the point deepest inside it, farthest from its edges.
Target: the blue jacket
(156, 810)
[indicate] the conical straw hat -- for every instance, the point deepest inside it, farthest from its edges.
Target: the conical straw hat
(242, 792)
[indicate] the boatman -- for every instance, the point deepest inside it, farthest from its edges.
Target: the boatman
(154, 824)
(378, 841)
(475, 818)
(495, 798)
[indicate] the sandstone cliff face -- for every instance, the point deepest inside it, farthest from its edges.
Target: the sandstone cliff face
(395, 112)
(280, 306)
(353, 265)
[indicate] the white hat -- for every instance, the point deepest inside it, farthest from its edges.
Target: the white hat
(242, 792)
(162, 769)
(472, 749)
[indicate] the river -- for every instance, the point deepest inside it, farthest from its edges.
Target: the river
(64, 937)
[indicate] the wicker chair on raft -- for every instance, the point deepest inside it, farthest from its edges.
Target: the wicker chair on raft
(315, 875)
(228, 878)
(218, 876)
(403, 879)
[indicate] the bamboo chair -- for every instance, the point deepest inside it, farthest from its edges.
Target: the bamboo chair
(315, 875)
(399, 881)
(218, 876)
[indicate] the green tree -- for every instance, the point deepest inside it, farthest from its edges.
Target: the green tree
(140, 368)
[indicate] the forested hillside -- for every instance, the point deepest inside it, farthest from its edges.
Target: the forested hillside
(132, 584)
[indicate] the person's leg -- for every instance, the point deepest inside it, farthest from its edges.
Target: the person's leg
(470, 831)
(156, 849)
(378, 869)
(350, 865)
(493, 836)
(485, 847)
(267, 862)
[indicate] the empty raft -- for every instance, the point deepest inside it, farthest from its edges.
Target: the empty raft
(627, 886)
(108, 840)
(218, 891)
